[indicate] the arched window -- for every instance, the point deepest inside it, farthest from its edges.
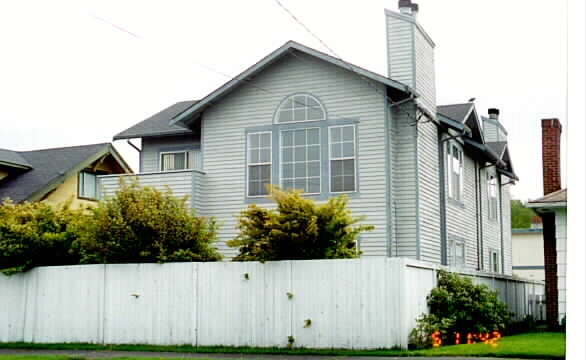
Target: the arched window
(298, 108)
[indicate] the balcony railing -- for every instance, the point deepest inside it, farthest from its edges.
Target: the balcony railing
(181, 183)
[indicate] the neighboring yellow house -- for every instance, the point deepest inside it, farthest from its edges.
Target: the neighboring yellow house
(58, 175)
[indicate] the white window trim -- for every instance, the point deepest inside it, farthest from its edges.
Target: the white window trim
(492, 201)
(453, 257)
(186, 152)
(81, 183)
(491, 252)
(278, 112)
(330, 158)
(450, 159)
(248, 163)
(281, 163)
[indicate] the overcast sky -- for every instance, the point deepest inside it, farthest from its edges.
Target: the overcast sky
(75, 72)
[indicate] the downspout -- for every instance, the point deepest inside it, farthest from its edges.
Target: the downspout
(442, 194)
(478, 215)
(501, 224)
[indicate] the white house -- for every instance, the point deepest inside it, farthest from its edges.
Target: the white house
(433, 179)
(528, 260)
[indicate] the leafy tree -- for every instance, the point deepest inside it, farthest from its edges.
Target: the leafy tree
(298, 229)
(521, 215)
(142, 224)
(35, 234)
(456, 305)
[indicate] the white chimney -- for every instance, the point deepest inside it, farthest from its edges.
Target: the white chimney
(410, 53)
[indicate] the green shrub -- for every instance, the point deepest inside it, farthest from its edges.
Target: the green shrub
(456, 305)
(35, 234)
(298, 229)
(144, 225)
(526, 325)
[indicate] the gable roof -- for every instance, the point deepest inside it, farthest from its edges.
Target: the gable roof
(50, 167)
(13, 159)
(193, 111)
(158, 124)
(457, 112)
(498, 147)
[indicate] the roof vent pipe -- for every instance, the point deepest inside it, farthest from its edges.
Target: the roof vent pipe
(493, 114)
(405, 7)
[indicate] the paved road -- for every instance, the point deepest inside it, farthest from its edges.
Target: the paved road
(91, 354)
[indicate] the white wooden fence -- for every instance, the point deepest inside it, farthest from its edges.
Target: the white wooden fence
(365, 303)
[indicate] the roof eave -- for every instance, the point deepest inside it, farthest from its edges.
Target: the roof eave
(547, 205)
(14, 165)
(153, 134)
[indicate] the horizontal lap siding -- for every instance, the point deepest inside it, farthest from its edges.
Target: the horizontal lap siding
(430, 246)
(400, 50)
(404, 181)
(151, 147)
(343, 94)
(461, 217)
(491, 230)
(424, 71)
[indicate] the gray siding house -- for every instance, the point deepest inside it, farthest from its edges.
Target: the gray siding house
(433, 180)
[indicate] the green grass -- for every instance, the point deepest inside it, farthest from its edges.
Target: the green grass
(529, 346)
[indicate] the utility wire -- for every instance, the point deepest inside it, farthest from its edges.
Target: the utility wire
(348, 65)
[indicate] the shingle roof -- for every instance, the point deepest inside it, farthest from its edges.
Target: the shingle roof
(554, 197)
(158, 124)
(456, 112)
(498, 147)
(47, 166)
(13, 157)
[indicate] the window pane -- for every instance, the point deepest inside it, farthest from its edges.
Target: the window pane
(336, 134)
(89, 185)
(300, 170)
(337, 168)
(348, 133)
(265, 140)
(254, 156)
(349, 183)
(265, 172)
(348, 167)
(301, 184)
(288, 104)
(348, 149)
(313, 136)
(313, 168)
(300, 137)
(300, 154)
(254, 174)
(254, 141)
(265, 155)
(337, 183)
(287, 154)
(287, 137)
(288, 171)
(315, 114)
(314, 185)
(300, 101)
(336, 150)
(313, 152)
(299, 114)
(286, 116)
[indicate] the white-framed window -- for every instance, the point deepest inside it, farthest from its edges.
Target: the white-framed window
(494, 260)
(298, 108)
(301, 160)
(259, 163)
(491, 196)
(88, 185)
(179, 160)
(458, 253)
(455, 161)
(342, 159)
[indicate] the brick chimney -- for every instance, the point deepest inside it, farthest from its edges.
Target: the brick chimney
(551, 131)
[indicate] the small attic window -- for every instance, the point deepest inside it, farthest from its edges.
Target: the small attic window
(299, 108)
